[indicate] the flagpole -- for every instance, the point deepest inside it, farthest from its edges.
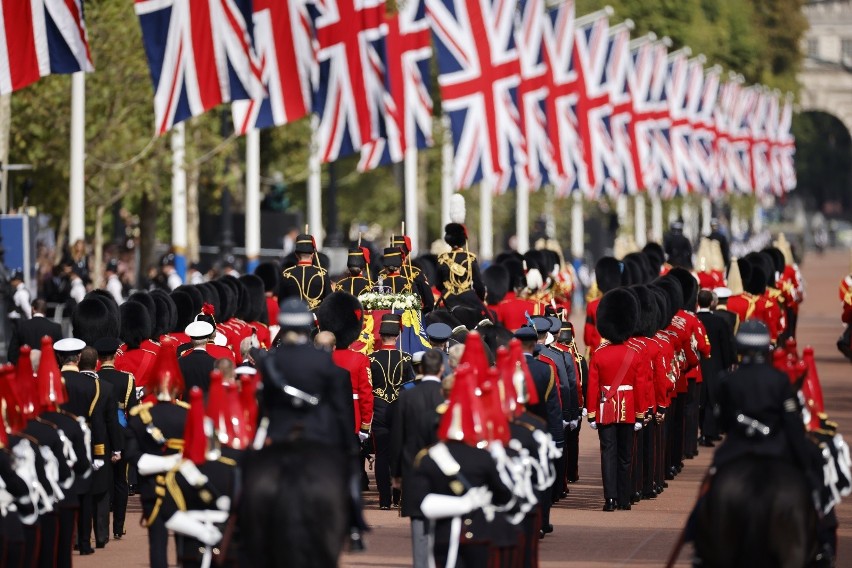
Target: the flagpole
(522, 221)
(446, 171)
(315, 185)
(77, 188)
(577, 244)
(410, 183)
(486, 219)
(5, 132)
(656, 218)
(252, 199)
(706, 214)
(639, 224)
(179, 239)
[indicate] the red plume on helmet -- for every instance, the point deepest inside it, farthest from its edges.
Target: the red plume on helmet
(812, 388)
(248, 402)
(216, 407)
(474, 355)
(496, 424)
(10, 407)
(194, 441)
(166, 372)
(505, 387)
(25, 384)
(51, 389)
(518, 359)
(463, 419)
(366, 252)
(237, 435)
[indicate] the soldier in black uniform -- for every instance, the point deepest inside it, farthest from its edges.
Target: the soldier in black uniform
(155, 448)
(307, 281)
(124, 387)
(459, 279)
(84, 399)
(358, 263)
(390, 369)
(419, 282)
(391, 278)
(196, 364)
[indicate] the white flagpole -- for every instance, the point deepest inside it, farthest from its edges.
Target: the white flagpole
(706, 214)
(315, 185)
(410, 182)
(577, 245)
(446, 171)
(77, 188)
(486, 220)
(252, 199)
(5, 131)
(522, 221)
(639, 224)
(179, 240)
(656, 218)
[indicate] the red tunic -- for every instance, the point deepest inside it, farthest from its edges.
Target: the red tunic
(591, 337)
(272, 307)
(614, 372)
(511, 311)
(358, 366)
(140, 362)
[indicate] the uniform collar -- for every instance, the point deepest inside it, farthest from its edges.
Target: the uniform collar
(69, 367)
(389, 346)
(428, 378)
(305, 263)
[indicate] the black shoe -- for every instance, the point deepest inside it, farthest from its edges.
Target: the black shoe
(679, 467)
(651, 494)
(131, 490)
(706, 442)
(99, 544)
(356, 543)
(665, 485)
(540, 535)
(87, 551)
(609, 505)
(624, 507)
(635, 498)
(547, 529)
(116, 536)
(671, 473)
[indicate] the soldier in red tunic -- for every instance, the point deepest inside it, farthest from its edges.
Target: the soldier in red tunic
(607, 276)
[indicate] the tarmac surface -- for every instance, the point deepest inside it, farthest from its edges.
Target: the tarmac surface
(584, 536)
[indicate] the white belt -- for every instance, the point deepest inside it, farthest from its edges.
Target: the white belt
(625, 388)
(354, 396)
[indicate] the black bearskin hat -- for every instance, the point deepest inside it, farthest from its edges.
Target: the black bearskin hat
(655, 255)
(764, 261)
(777, 257)
(663, 309)
(649, 312)
(195, 296)
(255, 298)
(136, 324)
(648, 273)
(169, 316)
(631, 272)
(270, 273)
(535, 259)
(146, 300)
(109, 302)
(608, 273)
(93, 320)
(756, 281)
(497, 282)
(515, 268)
(689, 286)
(160, 318)
(674, 293)
(341, 314)
(618, 314)
(227, 301)
(239, 291)
(184, 309)
(210, 294)
(455, 234)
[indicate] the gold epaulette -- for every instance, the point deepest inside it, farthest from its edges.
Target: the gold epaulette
(182, 404)
(420, 455)
(143, 411)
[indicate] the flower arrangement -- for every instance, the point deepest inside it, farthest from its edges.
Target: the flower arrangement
(378, 301)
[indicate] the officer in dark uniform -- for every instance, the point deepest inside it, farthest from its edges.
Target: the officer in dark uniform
(677, 247)
(157, 441)
(124, 387)
(459, 279)
(390, 368)
(439, 335)
(419, 282)
(358, 282)
(84, 399)
(196, 364)
(307, 281)
(391, 278)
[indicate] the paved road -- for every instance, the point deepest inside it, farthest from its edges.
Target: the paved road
(585, 536)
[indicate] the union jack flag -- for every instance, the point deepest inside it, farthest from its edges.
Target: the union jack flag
(740, 142)
(784, 148)
(761, 173)
(283, 42)
(634, 118)
(479, 74)
(663, 172)
(561, 102)
(200, 55)
(678, 89)
(704, 134)
(535, 160)
(591, 54)
(407, 101)
(622, 93)
(349, 96)
(723, 122)
(40, 37)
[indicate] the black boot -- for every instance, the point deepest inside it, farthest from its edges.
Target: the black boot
(609, 505)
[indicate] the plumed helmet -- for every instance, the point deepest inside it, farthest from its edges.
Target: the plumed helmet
(455, 234)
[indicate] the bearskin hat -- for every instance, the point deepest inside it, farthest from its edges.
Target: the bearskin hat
(689, 286)
(169, 317)
(497, 282)
(755, 283)
(455, 234)
(535, 261)
(255, 298)
(108, 300)
(92, 320)
(160, 317)
(608, 273)
(655, 255)
(184, 309)
(649, 312)
(663, 309)
(515, 268)
(632, 272)
(641, 260)
(674, 294)
(195, 296)
(341, 314)
(618, 314)
(508, 255)
(210, 294)
(227, 301)
(551, 259)
(765, 262)
(270, 274)
(777, 258)
(136, 324)
(146, 300)
(240, 308)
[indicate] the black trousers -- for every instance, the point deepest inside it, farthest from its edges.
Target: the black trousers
(572, 453)
(470, 555)
(707, 402)
(120, 490)
(49, 524)
(381, 443)
(636, 471)
(158, 541)
(690, 419)
(616, 454)
(560, 465)
(676, 425)
(84, 522)
(101, 505)
(649, 447)
(661, 449)
(67, 521)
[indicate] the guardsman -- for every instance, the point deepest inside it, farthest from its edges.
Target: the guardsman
(84, 399)
(358, 282)
(196, 364)
(566, 343)
(459, 280)
(391, 370)
(419, 283)
(270, 273)
(516, 305)
(753, 303)
(791, 283)
(157, 427)
(307, 281)
(135, 328)
(453, 480)
(611, 402)
(607, 277)
(124, 387)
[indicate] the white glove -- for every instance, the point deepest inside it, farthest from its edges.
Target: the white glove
(574, 424)
(192, 474)
(436, 506)
(183, 523)
(363, 436)
(149, 464)
(637, 426)
(565, 424)
(97, 464)
(497, 450)
(585, 412)
(593, 425)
